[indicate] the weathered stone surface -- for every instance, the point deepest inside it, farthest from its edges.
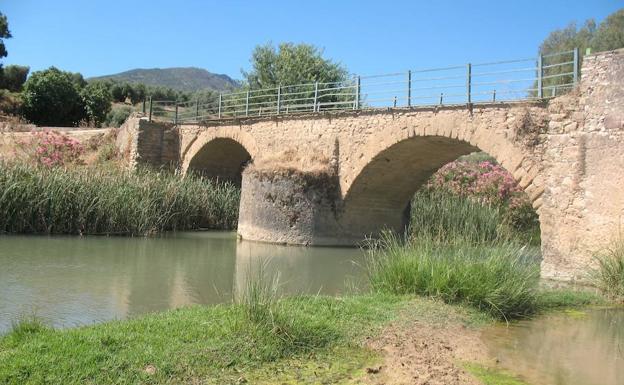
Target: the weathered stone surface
(568, 155)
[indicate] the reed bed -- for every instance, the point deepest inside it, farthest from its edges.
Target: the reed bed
(87, 200)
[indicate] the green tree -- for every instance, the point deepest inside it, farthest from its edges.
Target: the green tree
(13, 77)
(51, 97)
(291, 64)
(97, 102)
(4, 34)
(610, 33)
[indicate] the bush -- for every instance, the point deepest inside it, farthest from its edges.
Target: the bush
(500, 279)
(118, 116)
(83, 200)
(52, 98)
(12, 77)
(609, 276)
(51, 148)
(482, 180)
(97, 101)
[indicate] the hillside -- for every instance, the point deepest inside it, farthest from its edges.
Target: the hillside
(184, 79)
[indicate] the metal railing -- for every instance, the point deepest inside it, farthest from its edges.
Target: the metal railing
(504, 81)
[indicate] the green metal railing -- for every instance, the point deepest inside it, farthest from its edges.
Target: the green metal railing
(503, 81)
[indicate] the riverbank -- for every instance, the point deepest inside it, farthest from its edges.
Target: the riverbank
(299, 340)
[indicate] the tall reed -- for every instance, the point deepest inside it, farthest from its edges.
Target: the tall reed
(85, 200)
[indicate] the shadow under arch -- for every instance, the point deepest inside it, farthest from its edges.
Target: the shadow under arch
(221, 159)
(379, 196)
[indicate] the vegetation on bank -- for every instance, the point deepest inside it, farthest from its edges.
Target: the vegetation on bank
(609, 275)
(110, 200)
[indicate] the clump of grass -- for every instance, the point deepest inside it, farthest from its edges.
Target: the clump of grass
(25, 327)
(441, 216)
(500, 279)
(84, 200)
(609, 275)
(279, 327)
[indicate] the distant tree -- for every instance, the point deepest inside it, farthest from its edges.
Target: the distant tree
(13, 77)
(610, 33)
(290, 64)
(52, 97)
(97, 102)
(4, 34)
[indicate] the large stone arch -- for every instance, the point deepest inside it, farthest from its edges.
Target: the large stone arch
(219, 154)
(392, 164)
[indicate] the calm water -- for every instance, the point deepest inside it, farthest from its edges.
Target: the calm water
(70, 281)
(574, 348)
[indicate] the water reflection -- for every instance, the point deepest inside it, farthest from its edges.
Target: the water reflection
(71, 281)
(564, 349)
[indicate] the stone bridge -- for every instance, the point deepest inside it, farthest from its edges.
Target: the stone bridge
(334, 178)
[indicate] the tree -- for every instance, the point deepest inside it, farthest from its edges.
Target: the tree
(291, 64)
(4, 34)
(51, 97)
(13, 77)
(97, 102)
(610, 33)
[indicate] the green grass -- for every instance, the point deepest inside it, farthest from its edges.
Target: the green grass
(442, 216)
(609, 275)
(500, 279)
(493, 376)
(215, 344)
(87, 200)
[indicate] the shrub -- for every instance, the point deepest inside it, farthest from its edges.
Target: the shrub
(51, 148)
(609, 275)
(500, 279)
(97, 102)
(117, 116)
(481, 179)
(52, 98)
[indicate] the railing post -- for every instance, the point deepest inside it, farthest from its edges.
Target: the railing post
(315, 97)
(247, 104)
(279, 99)
(576, 65)
(469, 83)
(494, 96)
(220, 97)
(540, 75)
(143, 106)
(441, 97)
(197, 110)
(356, 105)
(175, 119)
(150, 109)
(409, 88)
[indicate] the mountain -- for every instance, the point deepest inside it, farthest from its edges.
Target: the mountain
(179, 78)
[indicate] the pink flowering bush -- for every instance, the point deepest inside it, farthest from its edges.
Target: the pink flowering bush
(52, 148)
(490, 184)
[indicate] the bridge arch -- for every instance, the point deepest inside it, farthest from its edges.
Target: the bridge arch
(393, 165)
(219, 154)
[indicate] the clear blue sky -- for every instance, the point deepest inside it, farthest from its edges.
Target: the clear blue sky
(98, 37)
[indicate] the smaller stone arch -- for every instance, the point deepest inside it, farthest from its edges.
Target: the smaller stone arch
(220, 154)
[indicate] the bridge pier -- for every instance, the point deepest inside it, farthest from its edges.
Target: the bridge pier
(290, 207)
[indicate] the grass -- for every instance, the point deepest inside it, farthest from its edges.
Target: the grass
(216, 344)
(86, 200)
(492, 376)
(500, 279)
(609, 275)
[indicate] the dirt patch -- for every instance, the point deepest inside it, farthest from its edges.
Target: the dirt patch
(420, 353)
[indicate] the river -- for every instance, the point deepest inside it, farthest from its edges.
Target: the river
(70, 281)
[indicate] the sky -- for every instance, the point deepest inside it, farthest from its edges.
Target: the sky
(100, 37)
